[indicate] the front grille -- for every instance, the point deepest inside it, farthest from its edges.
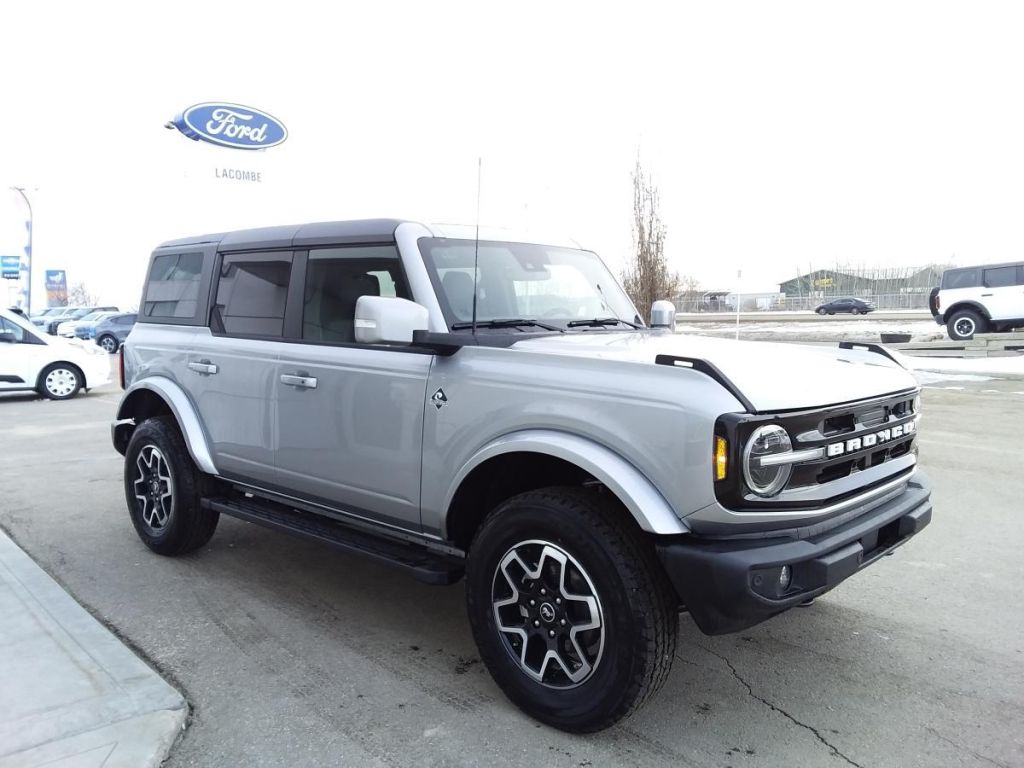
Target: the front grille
(871, 433)
(851, 426)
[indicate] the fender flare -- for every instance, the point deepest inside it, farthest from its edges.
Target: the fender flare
(644, 502)
(965, 304)
(184, 412)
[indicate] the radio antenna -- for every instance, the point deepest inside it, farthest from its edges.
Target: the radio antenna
(476, 239)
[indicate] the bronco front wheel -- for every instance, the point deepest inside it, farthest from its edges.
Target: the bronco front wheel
(571, 611)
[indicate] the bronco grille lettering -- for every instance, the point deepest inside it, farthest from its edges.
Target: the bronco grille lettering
(870, 440)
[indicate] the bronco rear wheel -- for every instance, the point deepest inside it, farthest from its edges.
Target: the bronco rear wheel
(964, 324)
(570, 608)
(161, 487)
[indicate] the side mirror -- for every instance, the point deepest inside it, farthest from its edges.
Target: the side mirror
(386, 320)
(663, 315)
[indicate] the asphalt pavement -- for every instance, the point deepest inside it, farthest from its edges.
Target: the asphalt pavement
(294, 655)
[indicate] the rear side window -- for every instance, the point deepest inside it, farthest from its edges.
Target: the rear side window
(336, 278)
(960, 278)
(173, 288)
(1000, 277)
(125, 320)
(252, 291)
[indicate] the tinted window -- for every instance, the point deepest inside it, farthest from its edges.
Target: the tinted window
(16, 331)
(251, 294)
(960, 278)
(173, 288)
(1000, 277)
(336, 278)
(125, 320)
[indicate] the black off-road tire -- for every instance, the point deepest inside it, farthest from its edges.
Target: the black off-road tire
(639, 609)
(185, 526)
(964, 323)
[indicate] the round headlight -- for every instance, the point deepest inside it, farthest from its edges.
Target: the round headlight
(763, 477)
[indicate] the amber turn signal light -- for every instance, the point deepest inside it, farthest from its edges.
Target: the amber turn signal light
(721, 458)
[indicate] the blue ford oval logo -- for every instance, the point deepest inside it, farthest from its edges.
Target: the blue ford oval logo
(230, 125)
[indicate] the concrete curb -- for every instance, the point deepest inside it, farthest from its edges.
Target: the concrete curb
(72, 693)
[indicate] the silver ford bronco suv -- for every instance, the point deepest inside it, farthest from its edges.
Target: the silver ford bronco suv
(455, 404)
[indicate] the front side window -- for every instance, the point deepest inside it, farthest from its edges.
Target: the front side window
(1000, 277)
(173, 287)
(336, 278)
(11, 332)
(549, 284)
(251, 294)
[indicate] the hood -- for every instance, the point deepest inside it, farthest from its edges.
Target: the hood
(772, 376)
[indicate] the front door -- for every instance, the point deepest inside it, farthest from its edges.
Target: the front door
(349, 416)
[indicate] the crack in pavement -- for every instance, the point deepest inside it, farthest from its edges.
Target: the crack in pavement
(750, 691)
(968, 750)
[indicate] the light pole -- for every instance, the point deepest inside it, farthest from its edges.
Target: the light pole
(28, 292)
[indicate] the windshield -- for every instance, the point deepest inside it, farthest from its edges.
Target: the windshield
(524, 281)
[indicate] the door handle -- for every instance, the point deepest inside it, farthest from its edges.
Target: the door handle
(986, 294)
(298, 380)
(204, 367)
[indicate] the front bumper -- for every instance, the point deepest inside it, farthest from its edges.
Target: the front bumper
(730, 584)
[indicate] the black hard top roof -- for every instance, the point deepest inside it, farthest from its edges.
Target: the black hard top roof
(297, 235)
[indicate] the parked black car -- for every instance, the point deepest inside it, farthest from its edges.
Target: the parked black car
(111, 332)
(845, 304)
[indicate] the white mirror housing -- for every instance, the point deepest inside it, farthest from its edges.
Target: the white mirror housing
(663, 315)
(388, 320)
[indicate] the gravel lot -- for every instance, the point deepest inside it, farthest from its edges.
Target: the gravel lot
(293, 655)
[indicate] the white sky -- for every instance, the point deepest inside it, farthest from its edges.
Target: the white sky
(781, 135)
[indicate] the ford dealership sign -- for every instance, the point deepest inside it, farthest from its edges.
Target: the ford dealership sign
(230, 125)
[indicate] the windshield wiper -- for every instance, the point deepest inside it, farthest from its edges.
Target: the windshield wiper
(600, 321)
(506, 322)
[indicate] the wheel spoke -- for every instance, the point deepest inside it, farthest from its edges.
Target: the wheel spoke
(540, 593)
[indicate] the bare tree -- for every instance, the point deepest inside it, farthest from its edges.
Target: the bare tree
(647, 277)
(80, 296)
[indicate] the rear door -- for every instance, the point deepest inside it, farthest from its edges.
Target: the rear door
(231, 367)
(350, 416)
(1003, 293)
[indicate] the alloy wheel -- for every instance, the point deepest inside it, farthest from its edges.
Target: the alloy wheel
(108, 344)
(548, 614)
(965, 327)
(61, 382)
(154, 487)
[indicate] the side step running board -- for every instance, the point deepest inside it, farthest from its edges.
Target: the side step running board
(418, 562)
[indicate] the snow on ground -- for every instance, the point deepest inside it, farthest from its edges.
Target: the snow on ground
(825, 330)
(989, 367)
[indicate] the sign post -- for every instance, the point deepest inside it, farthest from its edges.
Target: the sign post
(739, 302)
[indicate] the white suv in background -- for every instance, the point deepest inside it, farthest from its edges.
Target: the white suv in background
(30, 359)
(987, 298)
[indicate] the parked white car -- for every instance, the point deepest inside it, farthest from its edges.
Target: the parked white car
(67, 328)
(30, 359)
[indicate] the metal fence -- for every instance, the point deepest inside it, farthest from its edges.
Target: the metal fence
(885, 301)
